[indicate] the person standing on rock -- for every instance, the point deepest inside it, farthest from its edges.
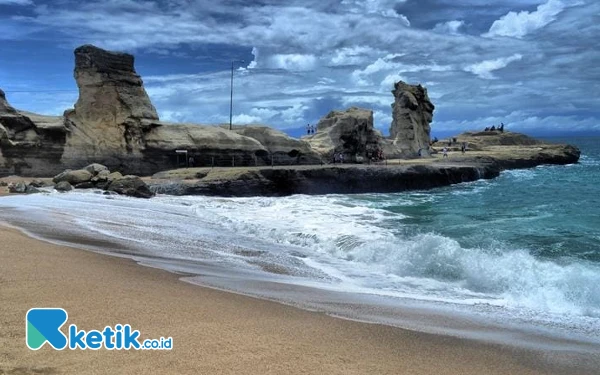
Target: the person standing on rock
(445, 152)
(308, 129)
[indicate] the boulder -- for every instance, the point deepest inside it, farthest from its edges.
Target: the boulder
(114, 176)
(17, 188)
(349, 132)
(85, 185)
(63, 186)
(31, 190)
(96, 168)
(73, 177)
(130, 185)
(102, 176)
(37, 183)
(412, 113)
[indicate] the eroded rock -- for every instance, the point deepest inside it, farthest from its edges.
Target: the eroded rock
(349, 132)
(73, 177)
(132, 186)
(63, 186)
(412, 113)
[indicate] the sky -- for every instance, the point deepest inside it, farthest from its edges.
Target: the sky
(531, 64)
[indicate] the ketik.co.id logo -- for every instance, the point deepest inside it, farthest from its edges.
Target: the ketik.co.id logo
(43, 325)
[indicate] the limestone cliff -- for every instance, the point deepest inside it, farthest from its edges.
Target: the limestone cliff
(107, 118)
(412, 113)
(28, 140)
(283, 148)
(349, 132)
(114, 123)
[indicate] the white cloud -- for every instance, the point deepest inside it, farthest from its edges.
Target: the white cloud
(450, 27)
(383, 8)
(352, 55)
(311, 56)
(485, 68)
(246, 119)
(519, 24)
(292, 61)
(254, 63)
(388, 82)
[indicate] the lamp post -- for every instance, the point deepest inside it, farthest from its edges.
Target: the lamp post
(231, 96)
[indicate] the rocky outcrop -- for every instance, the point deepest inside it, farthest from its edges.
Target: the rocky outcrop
(508, 150)
(480, 140)
(412, 113)
(63, 186)
(326, 180)
(28, 141)
(107, 121)
(132, 186)
(114, 123)
(283, 148)
(349, 132)
(98, 176)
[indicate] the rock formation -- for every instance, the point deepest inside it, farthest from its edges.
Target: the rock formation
(114, 123)
(283, 148)
(107, 119)
(28, 141)
(349, 132)
(412, 112)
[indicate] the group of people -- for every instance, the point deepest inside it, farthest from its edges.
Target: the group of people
(338, 157)
(500, 128)
(310, 129)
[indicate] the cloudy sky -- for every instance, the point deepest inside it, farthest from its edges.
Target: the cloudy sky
(532, 64)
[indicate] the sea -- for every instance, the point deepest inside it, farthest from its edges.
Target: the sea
(514, 260)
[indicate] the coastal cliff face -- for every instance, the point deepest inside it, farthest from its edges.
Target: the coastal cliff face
(412, 113)
(28, 140)
(114, 123)
(320, 180)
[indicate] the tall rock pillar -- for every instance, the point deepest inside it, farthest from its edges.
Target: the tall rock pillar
(412, 112)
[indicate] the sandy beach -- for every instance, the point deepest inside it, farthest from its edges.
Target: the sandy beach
(213, 332)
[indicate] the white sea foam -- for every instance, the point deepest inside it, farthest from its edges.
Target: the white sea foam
(335, 242)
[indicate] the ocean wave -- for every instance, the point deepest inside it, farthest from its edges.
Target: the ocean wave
(349, 245)
(366, 246)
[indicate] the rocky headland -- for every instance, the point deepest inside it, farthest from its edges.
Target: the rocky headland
(115, 125)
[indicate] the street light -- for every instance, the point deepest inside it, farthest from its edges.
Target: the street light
(231, 97)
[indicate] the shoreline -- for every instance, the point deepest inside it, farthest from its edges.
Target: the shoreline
(304, 341)
(471, 354)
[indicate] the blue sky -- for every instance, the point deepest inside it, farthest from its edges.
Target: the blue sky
(532, 64)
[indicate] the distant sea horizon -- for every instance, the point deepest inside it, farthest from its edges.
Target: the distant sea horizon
(301, 131)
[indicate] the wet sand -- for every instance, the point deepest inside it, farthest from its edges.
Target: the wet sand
(213, 332)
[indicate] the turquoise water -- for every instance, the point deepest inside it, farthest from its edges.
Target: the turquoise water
(553, 211)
